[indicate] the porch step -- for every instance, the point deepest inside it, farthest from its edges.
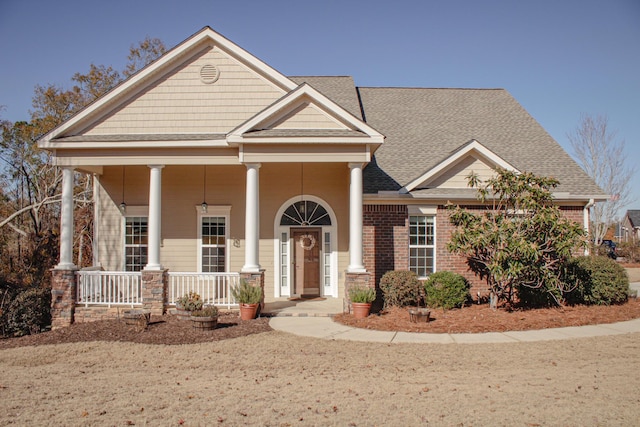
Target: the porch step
(303, 308)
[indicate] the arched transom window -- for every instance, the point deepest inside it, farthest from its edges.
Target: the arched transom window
(305, 213)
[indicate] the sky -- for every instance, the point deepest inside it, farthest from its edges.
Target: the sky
(559, 59)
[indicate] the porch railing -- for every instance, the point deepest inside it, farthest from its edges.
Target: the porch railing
(109, 288)
(214, 288)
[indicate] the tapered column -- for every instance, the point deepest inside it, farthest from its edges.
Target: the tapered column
(252, 220)
(66, 222)
(356, 264)
(155, 222)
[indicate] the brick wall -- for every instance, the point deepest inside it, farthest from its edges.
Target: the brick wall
(385, 239)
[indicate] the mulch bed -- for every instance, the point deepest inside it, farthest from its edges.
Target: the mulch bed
(161, 330)
(480, 318)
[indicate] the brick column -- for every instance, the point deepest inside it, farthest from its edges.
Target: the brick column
(63, 297)
(355, 279)
(255, 279)
(154, 291)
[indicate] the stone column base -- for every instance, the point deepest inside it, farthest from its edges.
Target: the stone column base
(154, 291)
(355, 279)
(63, 297)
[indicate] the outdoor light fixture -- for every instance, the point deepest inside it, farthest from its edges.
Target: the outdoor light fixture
(123, 205)
(204, 191)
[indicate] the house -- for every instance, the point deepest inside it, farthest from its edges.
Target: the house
(630, 229)
(211, 167)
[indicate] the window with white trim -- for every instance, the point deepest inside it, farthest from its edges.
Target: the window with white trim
(135, 242)
(213, 239)
(214, 244)
(422, 232)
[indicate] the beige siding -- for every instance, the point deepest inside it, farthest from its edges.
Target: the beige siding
(181, 103)
(457, 176)
(182, 191)
(308, 153)
(308, 117)
(141, 156)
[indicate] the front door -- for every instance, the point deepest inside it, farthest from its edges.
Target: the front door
(306, 261)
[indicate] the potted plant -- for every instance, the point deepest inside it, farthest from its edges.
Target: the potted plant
(361, 298)
(187, 303)
(205, 319)
(248, 298)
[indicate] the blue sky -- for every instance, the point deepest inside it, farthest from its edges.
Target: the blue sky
(557, 58)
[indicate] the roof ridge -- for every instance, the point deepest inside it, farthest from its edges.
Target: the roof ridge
(428, 88)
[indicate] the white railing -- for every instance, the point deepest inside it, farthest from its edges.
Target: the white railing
(109, 288)
(213, 288)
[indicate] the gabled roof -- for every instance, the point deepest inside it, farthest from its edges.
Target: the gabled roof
(345, 125)
(424, 126)
(155, 70)
(471, 148)
(634, 217)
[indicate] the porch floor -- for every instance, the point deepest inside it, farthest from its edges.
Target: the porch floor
(304, 308)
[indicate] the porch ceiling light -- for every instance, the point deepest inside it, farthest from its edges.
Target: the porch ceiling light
(204, 191)
(204, 207)
(123, 207)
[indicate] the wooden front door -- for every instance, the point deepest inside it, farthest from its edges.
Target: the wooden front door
(306, 261)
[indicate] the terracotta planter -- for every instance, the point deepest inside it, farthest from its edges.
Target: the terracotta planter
(248, 311)
(360, 309)
(204, 323)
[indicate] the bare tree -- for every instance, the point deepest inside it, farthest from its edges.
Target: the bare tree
(603, 157)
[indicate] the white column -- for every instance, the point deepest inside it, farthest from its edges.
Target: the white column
(356, 263)
(155, 222)
(66, 222)
(252, 220)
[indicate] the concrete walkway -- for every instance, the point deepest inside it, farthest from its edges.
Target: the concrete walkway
(313, 319)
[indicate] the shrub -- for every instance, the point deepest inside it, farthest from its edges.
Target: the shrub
(362, 294)
(630, 251)
(401, 288)
(190, 301)
(246, 293)
(206, 311)
(30, 312)
(597, 280)
(447, 290)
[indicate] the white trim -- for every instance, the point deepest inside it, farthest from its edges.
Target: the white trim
(457, 155)
(223, 211)
(422, 210)
(332, 290)
(141, 211)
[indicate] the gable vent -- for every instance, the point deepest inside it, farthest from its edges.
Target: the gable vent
(209, 74)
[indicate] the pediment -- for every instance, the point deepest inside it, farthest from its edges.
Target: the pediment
(206, 85)
(304, 113)
(453, 171)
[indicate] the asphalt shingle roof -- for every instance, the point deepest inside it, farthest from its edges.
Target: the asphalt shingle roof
(339, 89)
(424, 126)
(634, 217)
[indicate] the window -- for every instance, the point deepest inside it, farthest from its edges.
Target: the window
(214, 242)
(135, 243)
(421, 244)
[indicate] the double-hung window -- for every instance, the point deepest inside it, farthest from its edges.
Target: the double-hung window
(135, 242)
(422, 234)
(213, 238)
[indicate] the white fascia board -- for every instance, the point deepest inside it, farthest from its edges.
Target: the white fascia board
(234, 139)
(213, 143)
(271, 113)
(467, 148)
(161, 63)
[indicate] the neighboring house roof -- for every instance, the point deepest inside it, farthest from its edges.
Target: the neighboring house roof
(634, 217)
(423, 127)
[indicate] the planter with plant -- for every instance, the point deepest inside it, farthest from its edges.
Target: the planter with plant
(187, 303)
(205, 319)
(361, 298)
(248, 298)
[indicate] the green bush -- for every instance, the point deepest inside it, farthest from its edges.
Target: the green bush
(30, 312)
(246, 293)
(401, 288)
(446, 290)
(362, 294)
(597, 280)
